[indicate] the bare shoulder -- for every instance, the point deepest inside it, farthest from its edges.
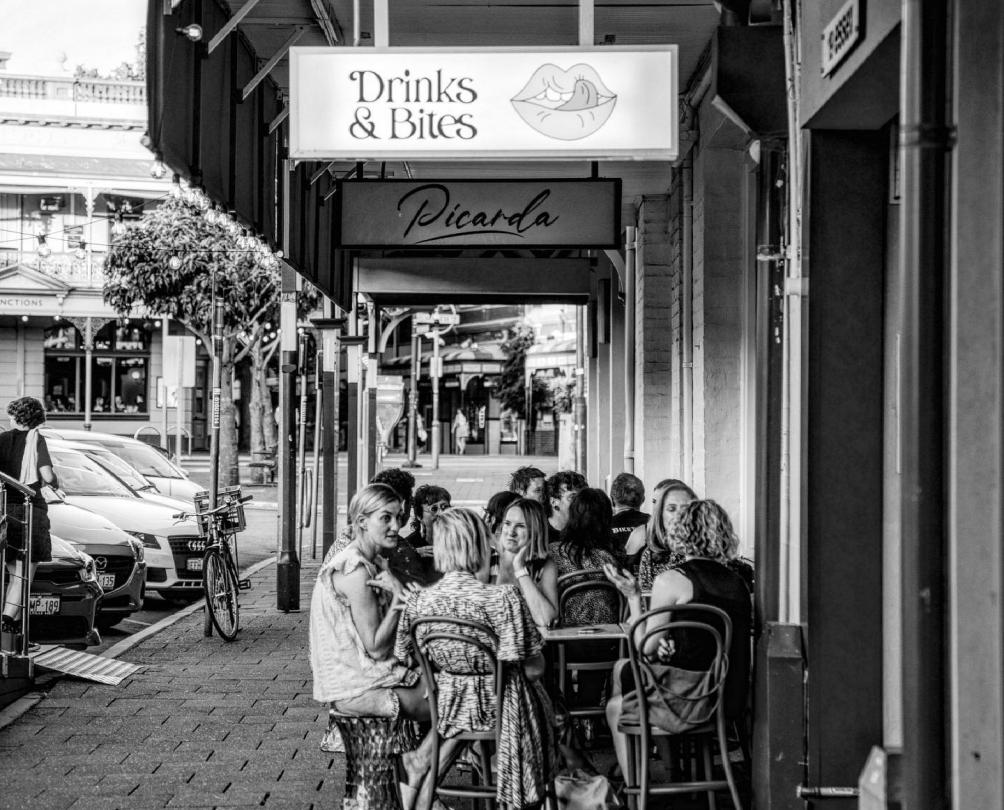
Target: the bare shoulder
(671, 587)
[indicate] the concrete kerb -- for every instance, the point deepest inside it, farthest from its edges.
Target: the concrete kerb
(16, 709)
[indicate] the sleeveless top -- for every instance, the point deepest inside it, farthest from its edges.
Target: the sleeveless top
(342, 667)
(714, 584)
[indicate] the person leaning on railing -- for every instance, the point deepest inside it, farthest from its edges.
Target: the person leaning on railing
(24, 456)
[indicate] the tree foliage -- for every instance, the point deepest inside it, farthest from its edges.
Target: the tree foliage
(511, 387)
(210, 257)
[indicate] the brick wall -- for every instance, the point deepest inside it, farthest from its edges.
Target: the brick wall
(653, 345)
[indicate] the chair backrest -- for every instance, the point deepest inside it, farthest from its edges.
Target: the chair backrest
(580, 583)
(716, 626)
(460, 632)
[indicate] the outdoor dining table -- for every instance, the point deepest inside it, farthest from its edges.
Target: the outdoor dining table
(585, 632)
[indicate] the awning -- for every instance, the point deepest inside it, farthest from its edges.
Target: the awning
(556, 354)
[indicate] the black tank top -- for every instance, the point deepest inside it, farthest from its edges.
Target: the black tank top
(714, 584)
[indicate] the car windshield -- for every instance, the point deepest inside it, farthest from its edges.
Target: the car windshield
(118, 468)
(79, 475)
(145, 459)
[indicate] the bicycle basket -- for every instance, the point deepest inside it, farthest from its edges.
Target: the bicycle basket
(230, 520)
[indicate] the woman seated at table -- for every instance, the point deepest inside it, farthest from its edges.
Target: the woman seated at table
(703, 535)
(354, 614)
(522, 559)
(429, 501)
(586, 547)
(498, 504)
(657, 556)
(462, 552)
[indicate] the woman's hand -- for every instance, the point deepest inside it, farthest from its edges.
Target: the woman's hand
(624, 580)
(519, 558)
(399, 601)
(666, 649)
(424, 551)
(386, 581)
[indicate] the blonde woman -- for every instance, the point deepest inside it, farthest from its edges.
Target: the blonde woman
(462, 553)
(523, 559)
(354, 614)
(655, 554)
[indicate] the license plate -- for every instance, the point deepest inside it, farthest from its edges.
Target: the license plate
(106, 581)
(43, 606)
(194, 563)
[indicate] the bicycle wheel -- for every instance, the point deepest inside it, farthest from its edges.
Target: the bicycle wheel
(220, 585)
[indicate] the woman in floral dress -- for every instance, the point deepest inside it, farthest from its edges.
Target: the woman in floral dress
(467, 702)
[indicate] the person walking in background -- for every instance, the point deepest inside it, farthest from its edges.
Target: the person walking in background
(528, 482)
(628, 493)
(24, 456)
(461, 431)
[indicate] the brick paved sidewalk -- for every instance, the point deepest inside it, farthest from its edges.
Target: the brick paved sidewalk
(205, 724)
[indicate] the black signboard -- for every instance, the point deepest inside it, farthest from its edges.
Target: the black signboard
(576, 213)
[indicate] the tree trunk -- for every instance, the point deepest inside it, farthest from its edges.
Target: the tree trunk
(229, 472)
(262, 420)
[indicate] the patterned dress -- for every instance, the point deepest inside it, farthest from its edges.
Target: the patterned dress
(654, 563)
(591, 607)
(466, 695)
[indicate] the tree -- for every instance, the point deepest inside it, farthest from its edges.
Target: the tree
(169, 261)
(511, 387)
(126, 71)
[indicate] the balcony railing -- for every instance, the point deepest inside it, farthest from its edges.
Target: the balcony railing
(63, 266)
(101, 91)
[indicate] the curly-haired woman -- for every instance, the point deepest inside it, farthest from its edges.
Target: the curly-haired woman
(24, 456)
(703, 534)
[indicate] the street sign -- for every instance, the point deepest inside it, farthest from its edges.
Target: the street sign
(441, 318)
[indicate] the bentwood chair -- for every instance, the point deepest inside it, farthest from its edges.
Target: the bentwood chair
(444, 644)
(704, 729)
(586, 655)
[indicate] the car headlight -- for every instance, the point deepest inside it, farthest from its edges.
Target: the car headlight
(89, 573)
(137, 548)
(147, 540)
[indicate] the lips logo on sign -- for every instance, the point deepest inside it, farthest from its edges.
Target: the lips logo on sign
(565, 104)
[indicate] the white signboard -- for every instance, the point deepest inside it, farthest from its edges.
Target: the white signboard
(410, 104)
(179, 349)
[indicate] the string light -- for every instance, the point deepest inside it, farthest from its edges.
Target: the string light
(174, 262)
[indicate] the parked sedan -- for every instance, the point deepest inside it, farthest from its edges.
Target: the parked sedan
(120, 563)
(64, 599)
(169, 479)
(124, 472)
(173, 548)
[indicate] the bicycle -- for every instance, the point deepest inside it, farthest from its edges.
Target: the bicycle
(220, 581)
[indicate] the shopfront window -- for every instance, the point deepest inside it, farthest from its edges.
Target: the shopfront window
(119, 370)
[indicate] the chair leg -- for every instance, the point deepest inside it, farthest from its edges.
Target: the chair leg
(645, 754)
(629, 775)
(723, 748)
(708, 772)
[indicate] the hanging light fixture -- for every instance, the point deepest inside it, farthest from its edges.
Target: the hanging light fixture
(44, 251)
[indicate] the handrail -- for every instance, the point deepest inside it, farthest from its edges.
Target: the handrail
(60, 88)
(16, 485)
